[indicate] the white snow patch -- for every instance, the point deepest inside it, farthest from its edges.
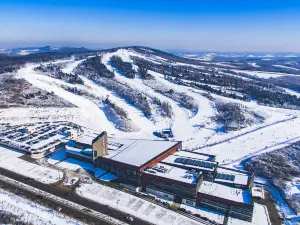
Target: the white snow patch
(10, 160)
(132, 205)
(286, 67)
(31, 212)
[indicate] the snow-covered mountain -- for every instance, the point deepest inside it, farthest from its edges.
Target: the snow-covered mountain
(33, 50)
(235, 110)
(141, 92)
(211, 56)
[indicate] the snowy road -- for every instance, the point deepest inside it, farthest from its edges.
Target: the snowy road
(43, 213)
(133, 205)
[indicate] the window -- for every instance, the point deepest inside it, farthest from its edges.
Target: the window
(189, 202)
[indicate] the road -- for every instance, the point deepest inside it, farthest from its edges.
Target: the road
(287, 213)
(53, 203)
(70, 196)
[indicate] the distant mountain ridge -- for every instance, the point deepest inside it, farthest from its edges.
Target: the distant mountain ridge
(225, 56)
(44, 49)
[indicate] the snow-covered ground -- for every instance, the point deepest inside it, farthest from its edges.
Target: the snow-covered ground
(182, 125)
(30, 212)
(133, 205)
(73, 165)
(60, 200)
(10, 160)
(266, 139)
(28, 115)
(211, 215)
(254, 64)
(70, 66)
(69, 165)
(194, 130)
(293, 188)
(286, 67)
(265, 74)
(283, 208)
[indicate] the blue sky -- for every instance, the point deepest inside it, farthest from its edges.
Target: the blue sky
(205, 25)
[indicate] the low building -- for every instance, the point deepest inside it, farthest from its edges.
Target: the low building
(234, 178)
(173, 183)
(193, 161)
(162, 169)
(74, 133)
(78, 153)
(127, 158)
(231, 201)
(83, 142)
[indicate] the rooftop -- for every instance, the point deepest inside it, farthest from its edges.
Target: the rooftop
(86, 139)
(86, 153)
(136, 152)
(233, 177)
(174, 173)
(191, 160)
(194, 155)
(226, 192)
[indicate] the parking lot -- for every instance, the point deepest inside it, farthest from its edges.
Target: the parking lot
(37, 138)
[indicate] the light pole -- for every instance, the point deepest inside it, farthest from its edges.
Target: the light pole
(118, 201)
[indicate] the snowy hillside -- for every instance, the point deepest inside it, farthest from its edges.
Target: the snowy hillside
(34, 50)
(222, 108)
(139, 92)
(282, 167)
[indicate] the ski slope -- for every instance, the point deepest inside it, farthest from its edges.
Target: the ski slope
(183, 124)
(197, 131)
(266, 139)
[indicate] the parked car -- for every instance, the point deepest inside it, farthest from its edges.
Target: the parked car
(197, 215)
(189, 212)
(129, 218)
(182, 209)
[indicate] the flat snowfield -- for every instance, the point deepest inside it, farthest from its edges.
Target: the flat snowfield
(10, 161)
(29, 115)
(267, 75)
(30, 212)
(73, 165)
(130, 204)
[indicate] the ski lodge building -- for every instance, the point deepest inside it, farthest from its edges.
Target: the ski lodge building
(163, 169)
